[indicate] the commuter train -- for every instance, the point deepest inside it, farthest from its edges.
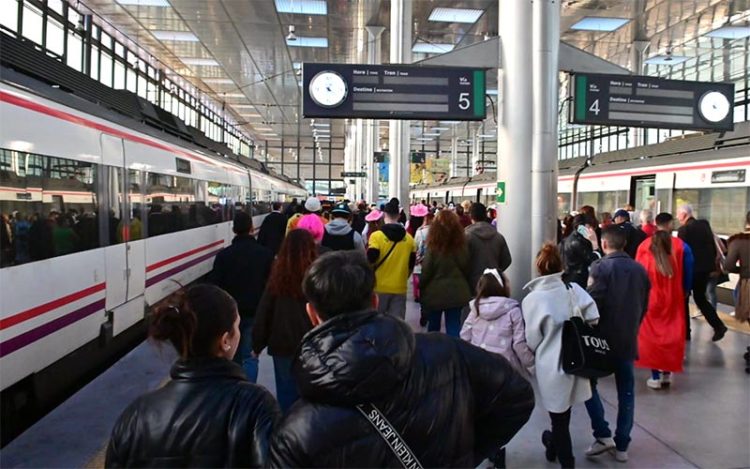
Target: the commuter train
(708, 171)
(102, 216)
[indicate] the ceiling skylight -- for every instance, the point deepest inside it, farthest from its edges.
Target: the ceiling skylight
(302, 7)
(455, 15)
(596, 23)
(307, 42)
(730, 32)
(199, 61)
(185, 36)
(432, 48)
(666, 59)
(144, 3)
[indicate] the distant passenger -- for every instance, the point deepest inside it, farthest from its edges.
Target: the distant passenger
(547, 306)
(619, 286)
(21, 231)
(208, 414)
(242, 270)
(580, 249)
(281, 320)
(487, 248)
(700, 237)
(273, 229)
(738, 261)
(634, 236)
(463, 218)
(374, 221)
(416, 218)
(158, 221)
(291, 209)
(312, 206)
(64, 237)
(661, 340)
(591, 212)
(422, 217)
(358, 219)
(664, 222)
(392, 253)
(444, 282)
(370, 388)
(339, 235)
(647, 222)
(6, 240)
(313, 224)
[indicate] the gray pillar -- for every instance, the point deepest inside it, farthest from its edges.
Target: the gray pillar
(398, 146)
(545, 50)
(372, 131)
(514, 137)
(453, 171)
(475, 153)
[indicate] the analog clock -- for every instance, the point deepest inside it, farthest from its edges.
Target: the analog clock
(714, 106)
(328, 89)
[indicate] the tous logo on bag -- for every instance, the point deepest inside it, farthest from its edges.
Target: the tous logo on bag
(597, 343)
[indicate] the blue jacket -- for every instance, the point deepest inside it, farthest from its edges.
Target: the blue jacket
(688, 262)
(620, 287)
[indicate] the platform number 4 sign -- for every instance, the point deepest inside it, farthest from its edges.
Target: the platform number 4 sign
(500, 192)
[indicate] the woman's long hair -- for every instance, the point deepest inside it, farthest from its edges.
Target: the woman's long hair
(297, 253)
(661, 248)
(488, 286)
(446, 234)
(414, 224)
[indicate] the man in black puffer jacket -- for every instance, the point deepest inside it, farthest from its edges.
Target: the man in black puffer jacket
(452, 403)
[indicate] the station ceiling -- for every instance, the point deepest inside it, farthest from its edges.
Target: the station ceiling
(236, 50)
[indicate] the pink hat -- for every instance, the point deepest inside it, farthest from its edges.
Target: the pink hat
(374, 215)
(312, 223)
(418, 210)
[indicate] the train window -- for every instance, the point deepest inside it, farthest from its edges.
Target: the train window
(261, 202)
(47, 207)
(723, 207)
(9, 16)
(32, 23)
(176, 204)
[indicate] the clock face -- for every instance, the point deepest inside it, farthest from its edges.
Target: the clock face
(714, 106)
(328, 89)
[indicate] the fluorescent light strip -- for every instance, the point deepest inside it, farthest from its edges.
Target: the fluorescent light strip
(184, 36)
(231, 95)
(218, 81)
(595, 23)
(302, 7)
(144, 3)
(199, 61)
(308, 42)
(491, 92)
(730, 32)
(455, 15)
(427, 48)
(440, 128)
(243, 106)
(666, 60)
(436, 134)
(316, 124)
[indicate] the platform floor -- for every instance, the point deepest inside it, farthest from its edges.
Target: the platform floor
(703, 420)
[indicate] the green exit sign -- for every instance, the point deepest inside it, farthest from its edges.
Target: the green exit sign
(500, 192)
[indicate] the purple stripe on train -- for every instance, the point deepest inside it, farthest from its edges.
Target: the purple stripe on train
(168, 273)
(22, 340)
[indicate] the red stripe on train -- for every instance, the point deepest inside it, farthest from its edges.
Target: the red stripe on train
(47, 307)
(182, 256)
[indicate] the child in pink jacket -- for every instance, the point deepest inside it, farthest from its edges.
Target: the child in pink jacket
(495, 323)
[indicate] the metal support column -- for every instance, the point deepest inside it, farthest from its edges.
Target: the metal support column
(514, 137)
(399, 135)
(372, 187)
(545, 50)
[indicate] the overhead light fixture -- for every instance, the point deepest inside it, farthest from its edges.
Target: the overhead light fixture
(450, 122)
(144, 3)
(249, 115)
(302, 7)
(184, 36)
(491, 92)
(730, 32)
(666, 59)
(455, 15)
(231, 96)
(291, 36)
(307, 42)
(487, 136)
(431, 48)
(435, 134)
(602, 24)
(440, 128)
(242, 106)
(320, 124)
(218, 81)
(199, 61)
(423, 139)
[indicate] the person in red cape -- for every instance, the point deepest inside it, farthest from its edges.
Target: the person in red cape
(661, 338)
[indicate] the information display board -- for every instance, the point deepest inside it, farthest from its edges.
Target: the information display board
(636, 101)
(393, 92)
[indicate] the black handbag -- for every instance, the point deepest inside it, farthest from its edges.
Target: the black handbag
(585, 352)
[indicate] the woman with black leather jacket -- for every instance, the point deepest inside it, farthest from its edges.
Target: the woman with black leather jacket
(579, 250)
(208, 415)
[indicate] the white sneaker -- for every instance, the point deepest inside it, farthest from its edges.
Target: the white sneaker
(653, 383)
(621, 456)
(599, 446)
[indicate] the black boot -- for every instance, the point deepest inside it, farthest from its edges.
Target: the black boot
(549, 448)
(498, 460)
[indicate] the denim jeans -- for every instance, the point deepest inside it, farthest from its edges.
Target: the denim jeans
(452, 321)
(286, 388)
(625, 381)
(711, 290)
(244, 356)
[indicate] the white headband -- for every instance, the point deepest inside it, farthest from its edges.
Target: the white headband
(495, 274)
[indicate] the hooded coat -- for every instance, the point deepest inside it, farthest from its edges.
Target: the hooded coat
(498, 328)
(452, 403)
(487, 250)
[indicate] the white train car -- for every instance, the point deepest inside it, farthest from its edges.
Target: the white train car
(100, 221)
(710, 172)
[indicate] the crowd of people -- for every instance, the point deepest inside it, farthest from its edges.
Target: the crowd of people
(324, 290)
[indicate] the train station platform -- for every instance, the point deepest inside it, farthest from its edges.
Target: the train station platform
(702, 420)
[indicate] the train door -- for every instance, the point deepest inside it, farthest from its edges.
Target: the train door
(479, 195)
(643, 193)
